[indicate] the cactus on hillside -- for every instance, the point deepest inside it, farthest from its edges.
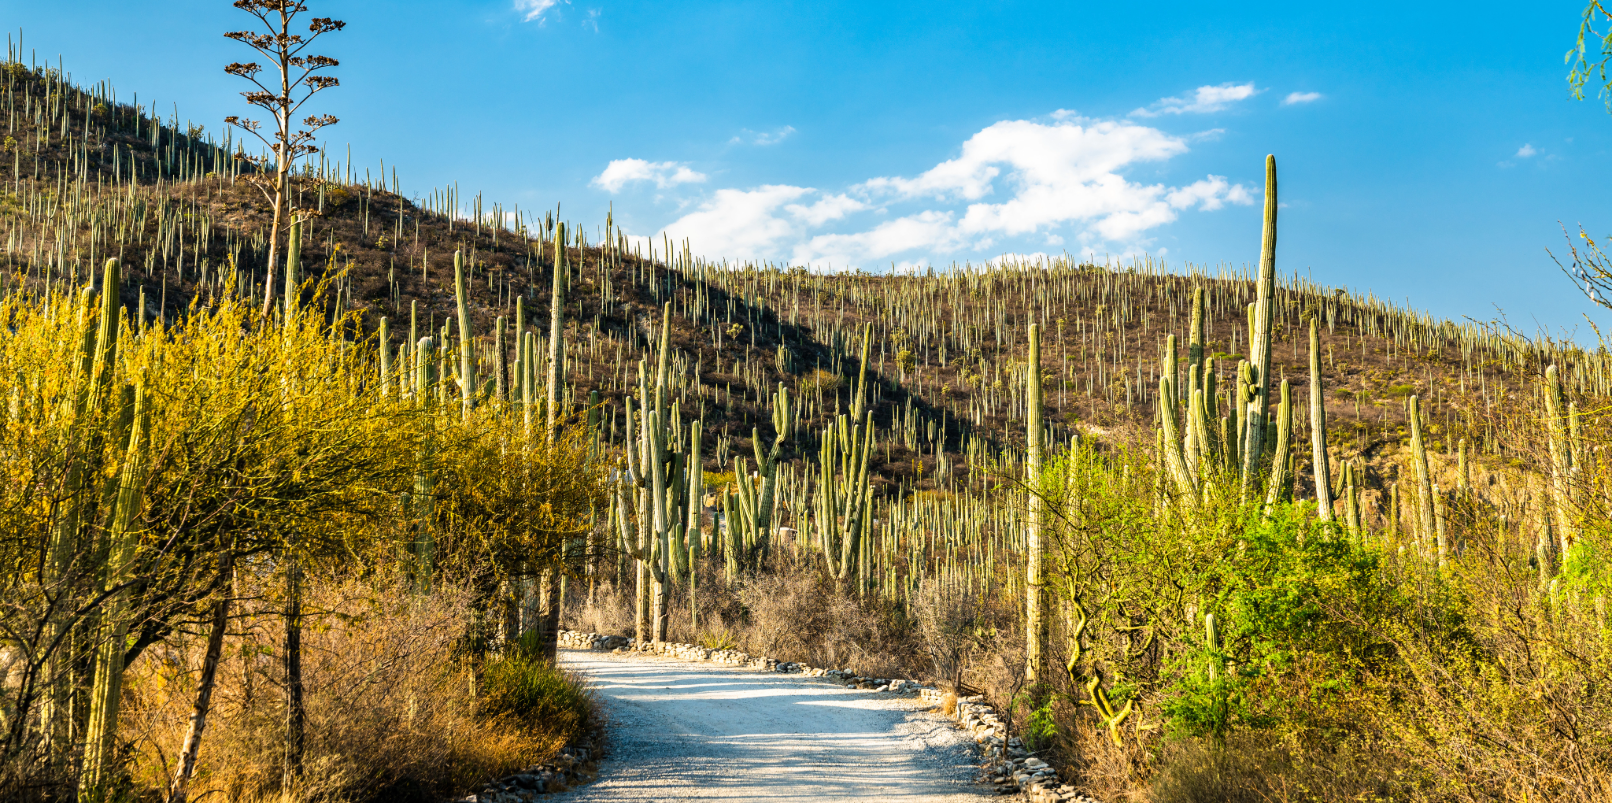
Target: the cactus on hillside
(1259, 337)
(1318, 429)
(1035, 627)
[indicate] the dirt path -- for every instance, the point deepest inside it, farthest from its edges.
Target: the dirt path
(692, 731)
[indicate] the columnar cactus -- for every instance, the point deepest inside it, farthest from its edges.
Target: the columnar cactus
(467, 340)
(1259, 335)
(1318, 429)
(1035, 627)
(123, 537)
(1281, 480)
(1561, 459)
(1424, 477)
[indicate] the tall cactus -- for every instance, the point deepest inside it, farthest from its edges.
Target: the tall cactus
(94, 373)
(843, 493)
(423, 550)
(659, 475)
(1561, 460)
(293, 270)
(1318, 429)
(1424, 476)
(123, 538)
(467, 340)
(1281, 480)
(1035, 626)
(557, 341)
(1259, 336)
(1169, 403)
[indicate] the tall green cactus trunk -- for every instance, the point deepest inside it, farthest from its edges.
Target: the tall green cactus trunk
(293, 277)
(92, 375)
(696, 494)
(123, 539)
(557, 332)
(467, 340)
(552, 577)
(1259, 337)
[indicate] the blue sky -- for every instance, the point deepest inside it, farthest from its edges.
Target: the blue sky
(1427, 153)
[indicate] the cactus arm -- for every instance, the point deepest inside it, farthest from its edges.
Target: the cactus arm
(1424, 480)
(1172, 442)
(1280, 479)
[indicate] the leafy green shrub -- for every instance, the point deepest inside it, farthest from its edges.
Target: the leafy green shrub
(1297, 602)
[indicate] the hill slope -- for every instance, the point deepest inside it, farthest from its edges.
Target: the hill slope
(89, 177)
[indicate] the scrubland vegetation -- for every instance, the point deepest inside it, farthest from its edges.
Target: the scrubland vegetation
(1208, 535)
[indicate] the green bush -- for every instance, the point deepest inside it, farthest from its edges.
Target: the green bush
(1297, 602)
(534, 695)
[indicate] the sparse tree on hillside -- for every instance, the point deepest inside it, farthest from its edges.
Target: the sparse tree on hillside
(299, 79)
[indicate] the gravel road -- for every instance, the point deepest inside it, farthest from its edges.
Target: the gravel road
(692, 731)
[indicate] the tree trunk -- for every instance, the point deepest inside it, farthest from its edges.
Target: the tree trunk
(548, 631)
(204, 689)
(274, 234)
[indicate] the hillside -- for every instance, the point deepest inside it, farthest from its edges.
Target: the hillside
(90, 176)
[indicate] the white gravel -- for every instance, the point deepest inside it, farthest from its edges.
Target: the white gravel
(693, 731)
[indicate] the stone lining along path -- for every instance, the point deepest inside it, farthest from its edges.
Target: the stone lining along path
(681, 730)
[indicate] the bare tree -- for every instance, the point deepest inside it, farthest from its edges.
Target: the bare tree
(299, 80)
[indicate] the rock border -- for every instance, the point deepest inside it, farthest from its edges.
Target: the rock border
(1009, 766)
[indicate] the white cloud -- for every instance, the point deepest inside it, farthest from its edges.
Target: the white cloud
(1526, 151)
(830, 207)
(743, 224)
(1295, 98)
(1010, 182)
(1204, 99)
(621, 172)
(762, 138)
(534, 9)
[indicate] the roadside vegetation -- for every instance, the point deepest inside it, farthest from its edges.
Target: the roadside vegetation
(303, 476)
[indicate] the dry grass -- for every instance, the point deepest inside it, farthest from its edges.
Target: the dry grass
(391, 704)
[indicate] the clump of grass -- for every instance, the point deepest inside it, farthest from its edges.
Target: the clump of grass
(531, 694)
(723, 639)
